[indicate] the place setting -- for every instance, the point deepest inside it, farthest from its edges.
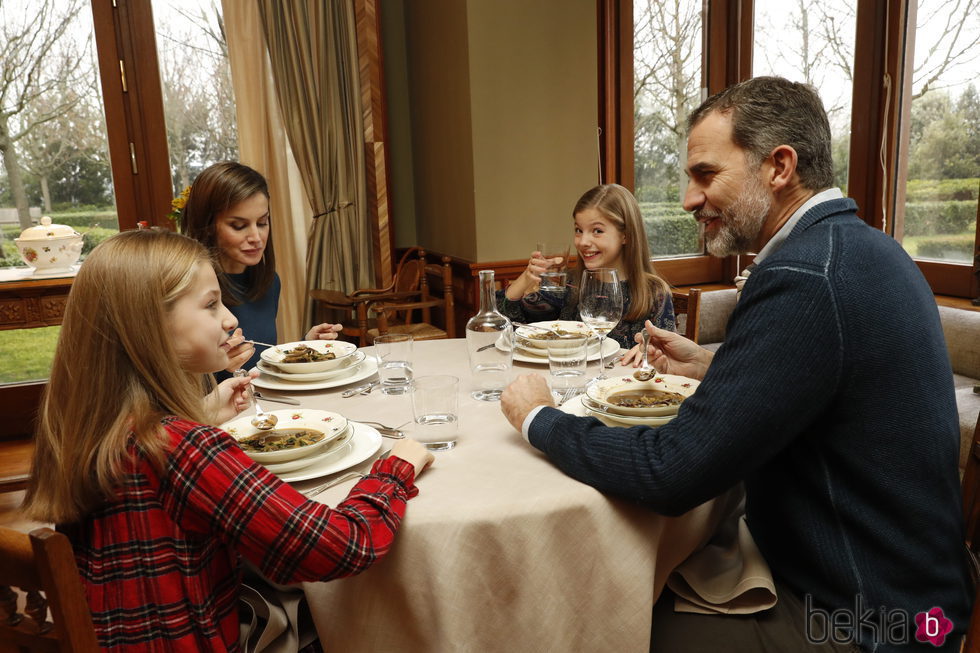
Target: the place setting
(303, 444)
(627, 401)
(312, 365)
(534, 340)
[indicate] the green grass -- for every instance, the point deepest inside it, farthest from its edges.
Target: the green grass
(25, 354)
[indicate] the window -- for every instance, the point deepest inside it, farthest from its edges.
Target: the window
(55, 158)
(943, 133)
(666, 87)
(812, 43)
(909, 157)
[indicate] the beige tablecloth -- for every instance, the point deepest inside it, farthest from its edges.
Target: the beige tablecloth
(501, 551)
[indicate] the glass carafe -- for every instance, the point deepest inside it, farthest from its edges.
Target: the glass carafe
(490, 343)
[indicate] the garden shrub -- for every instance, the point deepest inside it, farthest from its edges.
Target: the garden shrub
(94, 236)
(957, 247)
(926, 190)
(950, 217)
(670, 230)
(79, 220)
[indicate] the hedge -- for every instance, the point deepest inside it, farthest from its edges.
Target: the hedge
(670, 229)
(926, 190)
(950, 217)
(949, 247)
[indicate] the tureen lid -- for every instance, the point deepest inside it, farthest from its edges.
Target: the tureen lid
(46, 231)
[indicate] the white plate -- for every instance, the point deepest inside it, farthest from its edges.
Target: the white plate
(609, 346)
(364, 444)
(363, 371)
(353, 360)
(332, 425)
(334, 451)
(527, 343)
(574, 406)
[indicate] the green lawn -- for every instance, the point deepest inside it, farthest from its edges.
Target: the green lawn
(25, 354)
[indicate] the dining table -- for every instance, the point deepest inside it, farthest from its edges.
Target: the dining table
(500, 550)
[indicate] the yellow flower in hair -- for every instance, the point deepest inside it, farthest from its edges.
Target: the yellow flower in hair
(177, 205)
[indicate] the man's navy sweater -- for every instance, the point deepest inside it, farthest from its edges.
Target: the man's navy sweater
(832, 400)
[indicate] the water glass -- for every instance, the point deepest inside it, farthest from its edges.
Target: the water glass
(567, 361)
(394, 353)
(553, 280)
(435, 404)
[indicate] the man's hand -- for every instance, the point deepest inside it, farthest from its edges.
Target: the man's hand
(526, 393)
(672, 353)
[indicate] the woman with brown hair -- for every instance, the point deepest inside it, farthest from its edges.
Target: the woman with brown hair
(227, 211)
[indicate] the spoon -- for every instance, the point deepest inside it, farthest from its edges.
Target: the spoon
(646, 371)
(262, 420)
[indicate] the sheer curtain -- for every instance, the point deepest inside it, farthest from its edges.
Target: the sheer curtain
(313, 51)
(264, 146)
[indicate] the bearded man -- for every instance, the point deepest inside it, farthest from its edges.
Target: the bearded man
(831, 400)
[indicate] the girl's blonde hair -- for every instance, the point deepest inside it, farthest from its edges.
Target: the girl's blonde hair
(616, 204)
(115, 372)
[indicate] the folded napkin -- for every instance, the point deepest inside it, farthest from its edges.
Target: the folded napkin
(728, 575)
(271, 617)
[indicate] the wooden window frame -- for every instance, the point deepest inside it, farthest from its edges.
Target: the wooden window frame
(882, 82)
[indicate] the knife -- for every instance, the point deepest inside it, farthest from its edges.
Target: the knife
(281, 400)
(359, 389)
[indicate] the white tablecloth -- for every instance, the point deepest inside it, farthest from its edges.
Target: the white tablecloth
(500, 551)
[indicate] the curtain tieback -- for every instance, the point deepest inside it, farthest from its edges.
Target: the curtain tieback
(342, 205)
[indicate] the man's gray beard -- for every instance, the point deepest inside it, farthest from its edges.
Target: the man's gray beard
(741, 222)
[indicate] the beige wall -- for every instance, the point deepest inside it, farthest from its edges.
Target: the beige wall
(503, 103)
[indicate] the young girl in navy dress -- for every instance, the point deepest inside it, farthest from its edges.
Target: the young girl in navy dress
(608, 234)
(160, 505)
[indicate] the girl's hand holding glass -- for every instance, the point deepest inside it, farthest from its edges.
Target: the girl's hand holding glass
(325, 331)
(530, 278)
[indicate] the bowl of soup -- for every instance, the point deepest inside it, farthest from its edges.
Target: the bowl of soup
(298, 433)
(308, 356)
(624, 395)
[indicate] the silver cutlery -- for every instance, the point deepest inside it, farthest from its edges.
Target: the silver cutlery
(281, 400)
(392, 432)
(309, 494)
(646, 371)
(361, 389)
(613, 362)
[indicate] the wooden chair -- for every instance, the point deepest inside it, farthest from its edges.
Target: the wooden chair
(971, 519)
(395, 304)
(688, 304)
(42, 562)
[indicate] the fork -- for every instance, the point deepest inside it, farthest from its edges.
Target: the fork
(309, 494)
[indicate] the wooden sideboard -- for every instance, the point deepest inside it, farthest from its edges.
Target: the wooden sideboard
(33, 302)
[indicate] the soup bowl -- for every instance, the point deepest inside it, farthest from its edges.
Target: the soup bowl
(290, 423)
(326, 355)
(624, 395)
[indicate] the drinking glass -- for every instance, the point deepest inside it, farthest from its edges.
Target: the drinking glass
(600, 305)
(435, 402)
(567, 362)
(394, 353)
(553, 279)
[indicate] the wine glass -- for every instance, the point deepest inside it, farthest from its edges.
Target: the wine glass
(600, 305)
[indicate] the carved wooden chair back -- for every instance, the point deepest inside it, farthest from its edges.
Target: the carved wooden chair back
(41, 564)
(689, 305)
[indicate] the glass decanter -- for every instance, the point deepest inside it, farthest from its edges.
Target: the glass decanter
(490, 343)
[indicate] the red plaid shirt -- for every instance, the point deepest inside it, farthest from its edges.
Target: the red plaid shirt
(160, 562)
